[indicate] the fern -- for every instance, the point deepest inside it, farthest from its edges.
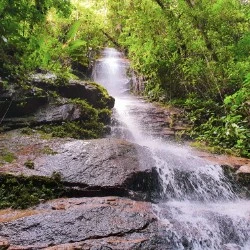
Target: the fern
(73, 30)
(77, 44)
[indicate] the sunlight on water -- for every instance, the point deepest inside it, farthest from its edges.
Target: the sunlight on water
(199, 208)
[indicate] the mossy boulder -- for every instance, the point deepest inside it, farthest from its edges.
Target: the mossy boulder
(49, 100)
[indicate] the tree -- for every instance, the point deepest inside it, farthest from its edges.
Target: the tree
(21, 25)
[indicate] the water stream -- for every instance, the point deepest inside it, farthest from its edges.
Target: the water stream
(199, 207)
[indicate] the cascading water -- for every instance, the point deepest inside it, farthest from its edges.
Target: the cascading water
(199, 207)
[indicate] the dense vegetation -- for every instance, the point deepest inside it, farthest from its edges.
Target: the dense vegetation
(190, 53)
(194, 54)
(22, 192)
(52, 35)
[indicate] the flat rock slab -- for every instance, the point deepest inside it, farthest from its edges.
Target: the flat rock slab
(82, 223)
(96, 167)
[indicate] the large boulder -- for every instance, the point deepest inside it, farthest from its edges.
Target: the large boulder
(88, 167)
(46, 99)
(89, 91)
(83, 223)
(18, 102)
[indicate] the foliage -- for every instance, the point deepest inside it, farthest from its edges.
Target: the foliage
(48, 34)
(48, 151)
(230, 130)
(22, 192)
(225, 127)
(22, 33)
(196, 51)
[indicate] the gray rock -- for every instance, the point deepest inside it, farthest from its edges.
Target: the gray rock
(243, 176)
(35, 105)
(88, 167)
(85, 223)
(107, 166)
(88, 91)
(58, 113)
(231, 247)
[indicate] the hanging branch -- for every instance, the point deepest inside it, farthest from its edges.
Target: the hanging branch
(111, 39)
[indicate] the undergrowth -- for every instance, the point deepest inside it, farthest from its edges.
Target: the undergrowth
(22, 192)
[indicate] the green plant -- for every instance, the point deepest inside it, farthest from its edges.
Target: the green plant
(29, 164)
(6, 156)
(226, 126)
(48, 151)
(22, 192)
(77, 130)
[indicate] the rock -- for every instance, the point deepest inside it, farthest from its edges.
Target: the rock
(161, 122)
(46, 101)
(58, 113)
(90, 167)
(86, 223)
(16, 102)
(236, 169)
(231, 247)
(87, 91)
(4, 243)
(243, 176)
(50, 113)
(73, 89)
(106, 165)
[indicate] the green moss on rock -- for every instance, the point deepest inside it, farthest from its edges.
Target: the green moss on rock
(77, 130)
(6, 156)
(90, 126)
(22, 192)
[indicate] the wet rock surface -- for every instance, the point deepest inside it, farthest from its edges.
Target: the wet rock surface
(166, 123)
(84, 223)
(87, 168)
(235, 168)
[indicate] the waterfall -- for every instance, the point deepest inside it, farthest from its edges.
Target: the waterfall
(199, 207)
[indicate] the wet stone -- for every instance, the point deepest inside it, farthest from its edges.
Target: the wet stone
(85, 223)
(88, 167)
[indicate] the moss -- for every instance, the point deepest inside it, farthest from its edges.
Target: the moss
(27, 131)
(29, 164)
(87, 111)
(48, 151)
(56, 176)
(77, 130)
(6, 156)
(105, 100)
(100, 88)
(22, 192)
(104, 115)
(90, 126)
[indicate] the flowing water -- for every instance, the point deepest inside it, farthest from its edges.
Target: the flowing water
(199, 208)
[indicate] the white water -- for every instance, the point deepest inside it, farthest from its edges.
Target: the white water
(199, 207)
